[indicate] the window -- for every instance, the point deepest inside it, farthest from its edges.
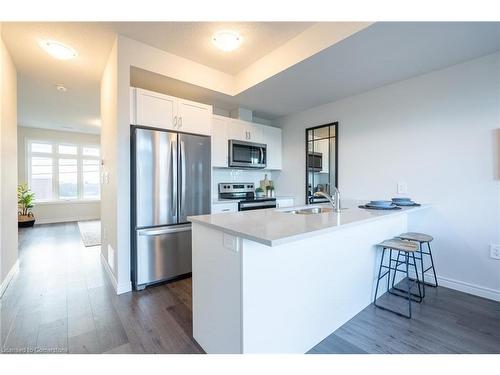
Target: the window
(63, 171)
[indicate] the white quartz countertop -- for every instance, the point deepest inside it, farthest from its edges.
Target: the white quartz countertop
(275, 226)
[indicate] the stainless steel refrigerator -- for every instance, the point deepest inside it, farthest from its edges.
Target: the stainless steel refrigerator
(170, 181)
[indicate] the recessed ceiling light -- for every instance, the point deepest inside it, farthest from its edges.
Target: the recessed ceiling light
(227, 40)
(61, 88)
(57, 49)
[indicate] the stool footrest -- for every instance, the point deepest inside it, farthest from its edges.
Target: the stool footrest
(393, 311)
(417, 298)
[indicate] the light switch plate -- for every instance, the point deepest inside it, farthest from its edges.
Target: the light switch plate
(495, 251)
(230, 242)
(402, 188)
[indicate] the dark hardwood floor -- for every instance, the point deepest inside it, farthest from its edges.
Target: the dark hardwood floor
(62, 302)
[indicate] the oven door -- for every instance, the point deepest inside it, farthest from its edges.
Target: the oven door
(247, 154)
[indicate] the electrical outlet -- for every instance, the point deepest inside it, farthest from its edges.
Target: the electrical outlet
(402, 188)
(495, 251)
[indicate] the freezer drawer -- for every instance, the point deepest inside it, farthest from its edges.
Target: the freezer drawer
(163, 253)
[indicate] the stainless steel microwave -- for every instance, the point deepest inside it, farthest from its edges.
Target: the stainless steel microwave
(315, 161)
(247, 154)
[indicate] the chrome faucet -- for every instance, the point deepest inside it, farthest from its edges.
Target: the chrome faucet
(335, 202)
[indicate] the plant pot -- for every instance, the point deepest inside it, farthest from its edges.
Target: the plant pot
(25, 221)
(260, 194)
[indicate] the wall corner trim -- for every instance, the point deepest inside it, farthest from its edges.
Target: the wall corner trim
(13, 272)
(119, 288)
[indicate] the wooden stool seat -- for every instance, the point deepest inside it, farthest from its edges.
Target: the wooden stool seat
(400, 245)
(414, 236)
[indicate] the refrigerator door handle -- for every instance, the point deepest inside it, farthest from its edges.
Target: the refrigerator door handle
(182, 192)
(173, 175)
(152, 232)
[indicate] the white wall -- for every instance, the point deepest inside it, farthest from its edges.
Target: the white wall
(56, 212)
(8, 165)
(110, 168)
(237, 175)
(439, 133)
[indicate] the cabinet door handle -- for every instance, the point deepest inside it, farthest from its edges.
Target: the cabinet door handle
(180, 121)
(225, 210)
(175, 121)
(249, 135)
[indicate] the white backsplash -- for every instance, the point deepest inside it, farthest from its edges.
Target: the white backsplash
(237, 175)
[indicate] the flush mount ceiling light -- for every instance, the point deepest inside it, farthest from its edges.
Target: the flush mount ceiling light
(57, 49)
(227, 40)
(62, 88)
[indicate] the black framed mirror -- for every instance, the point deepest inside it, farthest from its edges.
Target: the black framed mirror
(321, 160)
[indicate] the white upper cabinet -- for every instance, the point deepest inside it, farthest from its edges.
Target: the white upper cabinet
(219, 141)
(272, 138)
(155, 110)
(225, 128)
(194, 117)
(244, 131)
(168, 112)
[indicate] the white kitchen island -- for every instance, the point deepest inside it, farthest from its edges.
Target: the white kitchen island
(270, 281)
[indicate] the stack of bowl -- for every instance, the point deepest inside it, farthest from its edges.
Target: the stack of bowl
(403, 202)
(381, 204)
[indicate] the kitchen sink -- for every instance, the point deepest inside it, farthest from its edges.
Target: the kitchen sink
(310, 211)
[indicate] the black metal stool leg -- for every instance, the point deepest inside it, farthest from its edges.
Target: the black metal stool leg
(389, 270)
(407, 257)
(420, 293)
(378, 278)
(395, 272)
(399, 292)
(433, 269)
(422, 268)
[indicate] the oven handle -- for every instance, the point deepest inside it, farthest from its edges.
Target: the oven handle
(268, 204)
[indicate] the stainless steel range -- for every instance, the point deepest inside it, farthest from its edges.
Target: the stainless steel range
(245, 193)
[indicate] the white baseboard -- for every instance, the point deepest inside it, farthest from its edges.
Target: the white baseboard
(119, 288)
(13, 271)
(64, 219)
(462, 286)
(469, 288)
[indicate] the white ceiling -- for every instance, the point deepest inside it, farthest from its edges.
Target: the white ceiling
(41, 105)
(379, 55)
(192, 40)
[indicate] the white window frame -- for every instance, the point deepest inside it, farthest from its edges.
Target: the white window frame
(55, 167)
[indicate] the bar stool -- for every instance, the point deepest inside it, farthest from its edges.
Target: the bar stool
(421, 239)
(406, 249)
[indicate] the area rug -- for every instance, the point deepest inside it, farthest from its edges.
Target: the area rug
(90, 231)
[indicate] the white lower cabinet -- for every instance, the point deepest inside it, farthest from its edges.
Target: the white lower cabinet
(285, 202)
(218, 208)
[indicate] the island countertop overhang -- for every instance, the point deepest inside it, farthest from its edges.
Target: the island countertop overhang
(273, 227)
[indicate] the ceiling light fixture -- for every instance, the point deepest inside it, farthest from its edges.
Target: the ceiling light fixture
(57, 49)
(227, 40)
(61, 88)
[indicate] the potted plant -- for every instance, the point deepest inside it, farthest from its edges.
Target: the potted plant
(259, 192)
(25, 202)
